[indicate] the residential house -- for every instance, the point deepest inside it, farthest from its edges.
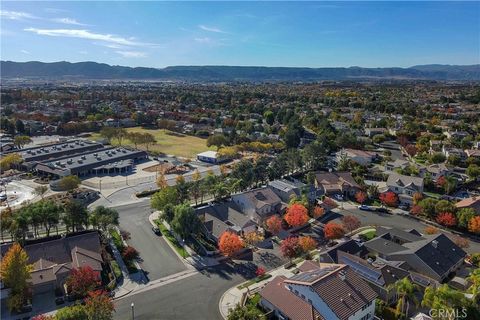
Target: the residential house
(450, 151)
(226, 216)
(287, 189)
(434, 256)
(475, 153)
(397, 164)
(370, 132)
(330, 183)
(435, 171)
(258, 204)
(473, 203)
(359, 156)
(53, 260)
(404, 186)
(350, 246)
(455, 134)
(378, 274)
(320, 291)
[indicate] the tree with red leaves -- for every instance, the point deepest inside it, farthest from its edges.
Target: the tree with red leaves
(229, 243)
(447, 219)
(297, 215)
(474, 225)
(307, 244)
(333, 230)
(361, 196)
(318, 212)
(274, 224)
(416, 210)
(350, 223)
(411, 150)
(82, 280)
(99, 305)
(290, 247)
(260, 271)
(389, 198)
(441, 182)
(402, 140)
(129, 253)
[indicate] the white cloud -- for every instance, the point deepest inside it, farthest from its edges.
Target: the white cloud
(204, 40)
(54, 10)
(68, 21)
(86, 34)
(132, 54)
(25, 51)
(211, 29)
(17, 15)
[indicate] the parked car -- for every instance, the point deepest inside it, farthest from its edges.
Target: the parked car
(403, 207)
(338, 197)
(382, 209)
(157, 231)
(364, 207)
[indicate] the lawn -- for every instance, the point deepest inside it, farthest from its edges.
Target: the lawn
(170, 238)
(168, 142)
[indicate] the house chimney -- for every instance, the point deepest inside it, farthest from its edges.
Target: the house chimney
(341, 275)
(435, 244)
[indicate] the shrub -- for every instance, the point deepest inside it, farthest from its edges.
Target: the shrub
(129, 253)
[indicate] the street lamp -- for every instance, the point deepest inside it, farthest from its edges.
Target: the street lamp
(133, 310)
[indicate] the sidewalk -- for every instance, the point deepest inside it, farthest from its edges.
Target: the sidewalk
(233, 296)
(194, 261)
(129, 281)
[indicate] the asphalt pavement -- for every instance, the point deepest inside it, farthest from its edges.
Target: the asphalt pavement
(196, 297)
(157, 258)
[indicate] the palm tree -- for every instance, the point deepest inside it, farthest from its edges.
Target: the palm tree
(444, 298)
(372, 191)
(405, 290)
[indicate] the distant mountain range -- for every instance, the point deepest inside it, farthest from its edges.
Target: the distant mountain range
(93, 70)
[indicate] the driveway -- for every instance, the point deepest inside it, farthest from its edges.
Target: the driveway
(157, 258)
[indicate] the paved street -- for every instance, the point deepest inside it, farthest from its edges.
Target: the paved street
(394, 148)
(196, 297)
(158, 259)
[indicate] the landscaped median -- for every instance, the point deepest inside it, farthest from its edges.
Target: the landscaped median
(129, 254)
(167, 234)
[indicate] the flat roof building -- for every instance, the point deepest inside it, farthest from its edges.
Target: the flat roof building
(57, 150)
(106, 160)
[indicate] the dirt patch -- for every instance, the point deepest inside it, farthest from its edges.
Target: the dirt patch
(167, 168)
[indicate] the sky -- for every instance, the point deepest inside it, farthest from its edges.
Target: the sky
(289, 34)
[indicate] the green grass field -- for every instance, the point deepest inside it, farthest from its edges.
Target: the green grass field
(168, 142)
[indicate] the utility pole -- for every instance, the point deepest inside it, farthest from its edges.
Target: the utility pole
(133, 310)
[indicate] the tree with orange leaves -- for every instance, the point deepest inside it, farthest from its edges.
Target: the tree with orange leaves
(229, 243)
(297, 215)
(417, 197)
(318, 212)
(430, 230)
(14, 273)
(98, 305)
(474, 225)
(361, 197)
(389, 198)
(307, 243)
(333, 230)
(274, 224)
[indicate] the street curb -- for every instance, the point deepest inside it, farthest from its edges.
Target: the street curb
(239, 284)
